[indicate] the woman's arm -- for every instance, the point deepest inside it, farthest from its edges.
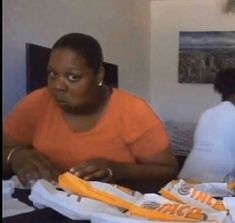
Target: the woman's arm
(25, 162)
(147, 175)
(10, 149)
(162, 166)
(154, 162)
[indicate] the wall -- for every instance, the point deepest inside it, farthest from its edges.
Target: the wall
(174, 101)
(122, 27)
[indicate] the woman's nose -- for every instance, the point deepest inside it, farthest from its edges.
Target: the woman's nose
(60, 85)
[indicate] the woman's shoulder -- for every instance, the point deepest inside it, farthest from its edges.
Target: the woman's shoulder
(38, 93)
(129, 98)
(36, 99)
(132, 105)
(137, 116)
(222, 109)
(41, 94)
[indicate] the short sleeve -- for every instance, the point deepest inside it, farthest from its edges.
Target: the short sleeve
(152, 142)
(145, 132)
(22, 121)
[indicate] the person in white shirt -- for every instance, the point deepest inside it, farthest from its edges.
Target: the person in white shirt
(212, 158)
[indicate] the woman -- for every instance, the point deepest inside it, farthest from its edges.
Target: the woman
(212, 158)
(77, 123)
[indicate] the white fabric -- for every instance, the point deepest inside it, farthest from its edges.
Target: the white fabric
(212, 158)
(8, 189)
(44, 194)
(12, 206)
(104, 218)
(229, 202)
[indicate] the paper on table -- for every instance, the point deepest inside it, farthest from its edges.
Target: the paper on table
(14, 207)
(7, 189)
(229, 202)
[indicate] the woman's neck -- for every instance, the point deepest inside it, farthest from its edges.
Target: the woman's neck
(93, 107)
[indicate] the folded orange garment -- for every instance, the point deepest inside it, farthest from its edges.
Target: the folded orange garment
(169, 212)
(182, 192)
(83, 188)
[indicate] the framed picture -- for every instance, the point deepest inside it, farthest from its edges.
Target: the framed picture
(202, 54)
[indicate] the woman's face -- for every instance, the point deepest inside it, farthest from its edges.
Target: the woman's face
(72, 83)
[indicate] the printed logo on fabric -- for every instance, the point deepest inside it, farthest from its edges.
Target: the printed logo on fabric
(150, 205)
(184, 189)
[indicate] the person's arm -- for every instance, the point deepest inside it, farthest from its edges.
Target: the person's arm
(162, 166)
(19, 156)
(25, 162)
(147, 175)
(10, 149)
(150, 167)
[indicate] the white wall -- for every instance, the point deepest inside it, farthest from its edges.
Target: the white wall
(123, 29)
(121, 26)
(174, 101)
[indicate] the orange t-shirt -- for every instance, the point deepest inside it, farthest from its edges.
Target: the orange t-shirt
(129, 129)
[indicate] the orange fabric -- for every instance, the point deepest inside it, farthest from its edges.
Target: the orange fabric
(83, 188)
(129, 129)
(167, 212)
(190, 195)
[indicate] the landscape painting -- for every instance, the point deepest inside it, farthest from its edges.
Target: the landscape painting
(202, 54)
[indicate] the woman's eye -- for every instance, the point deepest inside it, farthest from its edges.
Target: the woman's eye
(73, 77)
(51, 74)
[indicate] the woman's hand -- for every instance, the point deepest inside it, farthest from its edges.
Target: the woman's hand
(98, 169)
(29, 166)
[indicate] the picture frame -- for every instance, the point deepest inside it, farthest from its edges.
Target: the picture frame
(203, 54)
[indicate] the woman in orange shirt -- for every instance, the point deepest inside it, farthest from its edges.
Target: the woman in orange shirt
(79, 124)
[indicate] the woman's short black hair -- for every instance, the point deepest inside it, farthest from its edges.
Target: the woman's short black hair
(84, 45)
(225, 82)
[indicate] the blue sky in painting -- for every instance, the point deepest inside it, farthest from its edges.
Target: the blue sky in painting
(207, 40)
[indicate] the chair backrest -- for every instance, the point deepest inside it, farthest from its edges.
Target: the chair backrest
(181, 137)
(36, 63)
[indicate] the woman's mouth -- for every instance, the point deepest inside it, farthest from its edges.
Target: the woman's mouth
(60, 102)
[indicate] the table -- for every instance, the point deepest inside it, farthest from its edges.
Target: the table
(46, 215)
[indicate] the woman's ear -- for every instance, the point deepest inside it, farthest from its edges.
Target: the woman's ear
(100, 77)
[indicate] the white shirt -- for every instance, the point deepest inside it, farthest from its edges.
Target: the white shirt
(212, 158)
